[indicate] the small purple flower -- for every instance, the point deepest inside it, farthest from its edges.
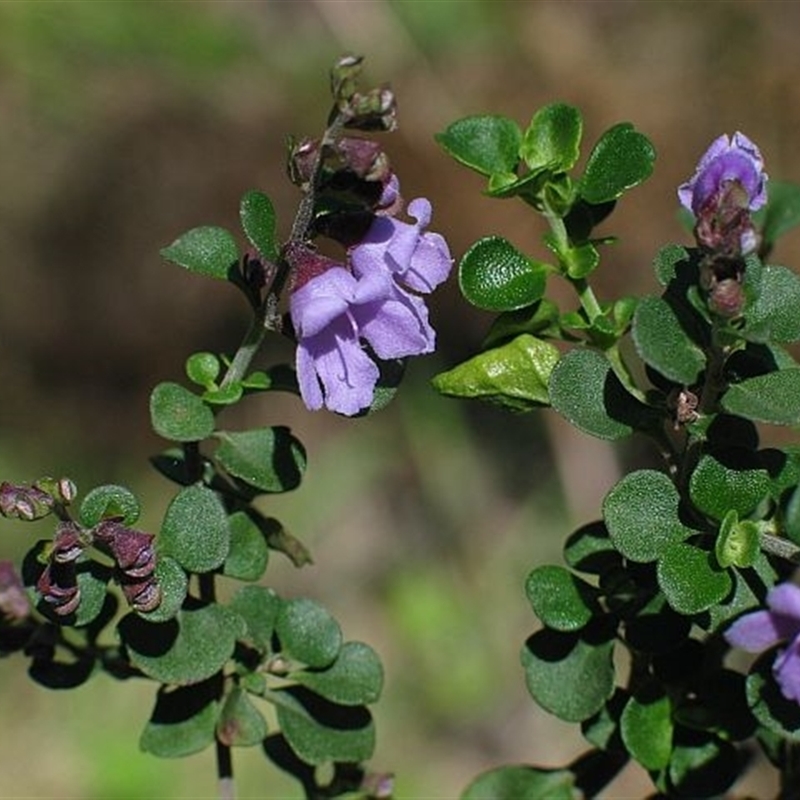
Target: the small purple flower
(336, 310)
(727, 161)
(760, 630)
(417, 259)
(332, 313)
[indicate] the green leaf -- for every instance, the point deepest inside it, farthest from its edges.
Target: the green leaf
(208, 250)
(737, 543)
(109, 502)
(570, 675)
(178, 414)
(258, 222)
(590, 550)
(240, 723)
(691, 579)
(184, 650)
(667, 261)
(621, 159)
(224, 395)
(203, 369)
(308, 633)
(319, 731)
(662, 342)
(258, 606)
(773, 316)
(728, 481)
(354, 678)
(486, 143)
(782, 211)
(182, 722)
(522, 783)
(495, 276)
(702, 765)
(586, 392)
(646, 727)
(270, 459)
(248, 555)
(195, 530)
(774, 397)
(553, 138)
(641, 514)
(514, 375)
(559, 599)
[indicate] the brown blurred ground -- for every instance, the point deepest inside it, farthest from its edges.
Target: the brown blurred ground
(122, 124)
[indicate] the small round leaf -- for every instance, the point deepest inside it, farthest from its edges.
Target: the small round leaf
(195, 530)
(569, 675)
(319, 731)
(495, 276)
(553, 138)
(691, 579)
(663, 343)
(207, 250)
(621, 159)
(203, 368)
(109, 502)
(728, 482)
(184, 650)
(257, 215)
(240, 723)
(248, 555)
(560, 599)
(308, 633)
(488, 144)
(270, 459)
(774, 398)
(354, 678)
(646, 727)
(182, 722)
(258, 606)
(178, 414)
(641, 514)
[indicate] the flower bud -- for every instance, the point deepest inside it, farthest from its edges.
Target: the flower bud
(144, 595)
(58, 586)
(132, 550)
(24, 502)
(14, 603)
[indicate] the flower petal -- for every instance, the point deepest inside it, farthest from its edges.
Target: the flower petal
(754, 632)
(399, 329)
(786, 670)
(316, 304)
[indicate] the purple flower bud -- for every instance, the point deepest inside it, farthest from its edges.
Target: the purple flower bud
(24, 502)
(14, 603)
(763, 629)
(729, 183)
(58, 586)
(144, 595)
(68, 543)
(727, 161)
(132, 550)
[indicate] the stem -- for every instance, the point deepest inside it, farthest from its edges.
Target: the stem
(248, 348)
(780, 547)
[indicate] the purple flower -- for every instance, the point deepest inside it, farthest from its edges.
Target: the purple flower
(332, 313)
(727, 161)
(336, 310)
(418, 260)
(760, 630)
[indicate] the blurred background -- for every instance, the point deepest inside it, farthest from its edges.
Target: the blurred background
(123, 124)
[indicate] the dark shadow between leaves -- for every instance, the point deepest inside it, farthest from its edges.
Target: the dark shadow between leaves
(151, 639)
(184, 702)
(553, 646)
(328, 714)
(277, 750)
